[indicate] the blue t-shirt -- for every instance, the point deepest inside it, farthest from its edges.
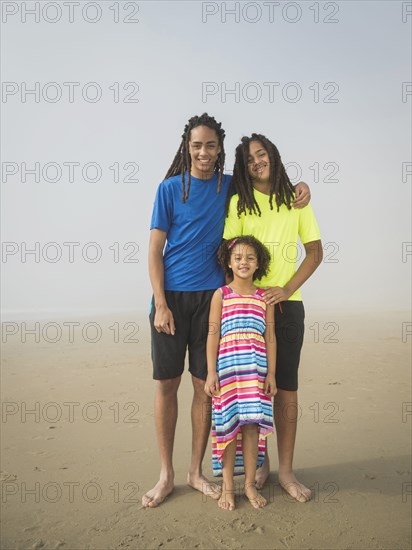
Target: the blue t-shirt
(194, 231)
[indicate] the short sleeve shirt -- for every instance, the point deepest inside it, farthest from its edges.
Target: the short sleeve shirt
(279, 231)
(194, 232)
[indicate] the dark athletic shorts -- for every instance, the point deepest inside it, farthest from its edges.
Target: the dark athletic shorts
(191, 315)
(289, 329)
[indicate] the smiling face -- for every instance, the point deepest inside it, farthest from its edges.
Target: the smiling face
(243, 261)
(204, 149)
(258, 163)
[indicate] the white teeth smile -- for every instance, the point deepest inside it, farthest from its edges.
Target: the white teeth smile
(260, 168)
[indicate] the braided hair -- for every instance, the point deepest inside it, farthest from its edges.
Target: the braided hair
(182, 162)
(280, 185)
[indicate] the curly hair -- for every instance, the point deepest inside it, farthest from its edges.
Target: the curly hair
(182, 162)
(262, 253)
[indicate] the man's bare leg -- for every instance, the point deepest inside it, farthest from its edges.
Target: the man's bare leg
(263, 472)
(201, 407)
(286, 417)
(165, 410)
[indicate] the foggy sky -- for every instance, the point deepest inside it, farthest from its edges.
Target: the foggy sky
(334, 97)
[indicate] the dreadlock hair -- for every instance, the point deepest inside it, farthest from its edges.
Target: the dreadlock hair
(280, 185)
(182, 162)
(262, 253)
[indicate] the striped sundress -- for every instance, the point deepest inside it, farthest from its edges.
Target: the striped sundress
(241, 368)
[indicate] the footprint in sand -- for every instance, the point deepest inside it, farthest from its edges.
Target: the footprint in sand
(5, 476)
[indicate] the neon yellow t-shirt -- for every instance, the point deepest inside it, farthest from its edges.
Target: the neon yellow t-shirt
(279, 231)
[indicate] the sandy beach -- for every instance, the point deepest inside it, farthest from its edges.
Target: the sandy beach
(79, 449)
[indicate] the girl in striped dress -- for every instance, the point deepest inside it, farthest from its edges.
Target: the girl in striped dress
(241, 362)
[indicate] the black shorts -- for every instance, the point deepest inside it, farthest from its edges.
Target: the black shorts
(289, 329)
(191, 316)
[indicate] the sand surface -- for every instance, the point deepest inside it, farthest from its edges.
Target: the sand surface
(75, 468)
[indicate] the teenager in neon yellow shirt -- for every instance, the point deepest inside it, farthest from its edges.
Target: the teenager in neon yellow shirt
(262, 207)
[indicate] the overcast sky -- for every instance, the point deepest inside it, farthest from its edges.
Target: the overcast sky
(94, 101)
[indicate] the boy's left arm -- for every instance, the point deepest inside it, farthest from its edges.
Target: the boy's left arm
(302, 192)
(313, 259)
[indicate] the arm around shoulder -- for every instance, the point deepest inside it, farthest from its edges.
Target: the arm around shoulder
(302, 191)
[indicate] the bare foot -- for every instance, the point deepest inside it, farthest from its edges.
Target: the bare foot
(202, 484)
(156, 496)
(294, 488)
(227, 500)
(256, 499)
(262, 473)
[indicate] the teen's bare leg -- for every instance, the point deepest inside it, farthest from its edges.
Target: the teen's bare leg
(286, 417)
(263, 472)
(250, 437)
(201, 407)
(227, 500)
(165, 411)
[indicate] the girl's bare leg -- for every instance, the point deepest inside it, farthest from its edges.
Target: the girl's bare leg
(250, 438)
(227, 499)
